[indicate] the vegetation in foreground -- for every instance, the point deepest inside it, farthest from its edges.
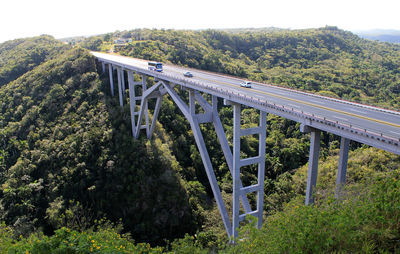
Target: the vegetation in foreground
(361, 221)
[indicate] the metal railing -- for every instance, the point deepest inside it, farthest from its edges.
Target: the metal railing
(249, 100)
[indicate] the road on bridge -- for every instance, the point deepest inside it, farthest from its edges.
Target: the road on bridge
(373, 119)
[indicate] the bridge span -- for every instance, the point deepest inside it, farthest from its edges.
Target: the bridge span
(351, 121)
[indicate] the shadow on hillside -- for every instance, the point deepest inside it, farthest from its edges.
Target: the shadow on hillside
(143, 187)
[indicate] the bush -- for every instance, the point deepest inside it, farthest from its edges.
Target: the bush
(106, 240)
(364, 220)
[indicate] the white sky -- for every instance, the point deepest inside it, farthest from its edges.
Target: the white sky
(62, 18)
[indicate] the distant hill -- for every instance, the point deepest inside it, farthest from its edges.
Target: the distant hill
(22, 55)
(73, 39)
(383, 35)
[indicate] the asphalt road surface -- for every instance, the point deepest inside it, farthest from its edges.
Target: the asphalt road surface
(361, 116)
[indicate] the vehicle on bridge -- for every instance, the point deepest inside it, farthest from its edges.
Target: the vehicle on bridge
(155, 66)
(246, 84)
(188, 74)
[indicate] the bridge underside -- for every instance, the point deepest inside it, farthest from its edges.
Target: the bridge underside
(140, 119)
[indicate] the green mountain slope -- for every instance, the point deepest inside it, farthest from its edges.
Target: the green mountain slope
(22, 55)
(68, 158)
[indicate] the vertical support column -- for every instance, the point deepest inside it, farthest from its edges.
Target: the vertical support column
(132, 101)
(214, 102)
(103, 67)
(313, 165)
(219, 129)
(121, 102)
(342, 166)
(110, 72)
(146, 105)
(192, 106)
(236, 168)
(123, 81)
(261, 167)
(238, 190)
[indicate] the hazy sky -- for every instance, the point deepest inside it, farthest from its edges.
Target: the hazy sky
(65, 18)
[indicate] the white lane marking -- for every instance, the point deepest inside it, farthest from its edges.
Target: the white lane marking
(341, 118)
(280, 93)
(395, 132)
(292, 105)
(358, 111)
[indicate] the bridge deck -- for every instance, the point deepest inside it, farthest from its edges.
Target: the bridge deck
(366, 124)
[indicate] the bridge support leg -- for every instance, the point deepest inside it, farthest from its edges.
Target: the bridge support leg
(110, 72)
(144, 107)
(123, 82)
(211, 115)
(132, 101)
(155, 116)
(238, 163)
(261, 167)
(313, 165)
(194, 120)
(342, 167)
(236, 169)
(119, 74)
(103, 67)
(219, 129)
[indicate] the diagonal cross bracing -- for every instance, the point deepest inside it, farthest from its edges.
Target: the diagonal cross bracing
(189, 113)
(210, 115)
(222, 139)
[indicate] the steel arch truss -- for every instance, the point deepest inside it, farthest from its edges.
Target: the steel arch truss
(140, 119)
(210, 115)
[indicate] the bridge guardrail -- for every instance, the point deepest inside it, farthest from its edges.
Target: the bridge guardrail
(242, 97)
(390, 111)
(311, 116)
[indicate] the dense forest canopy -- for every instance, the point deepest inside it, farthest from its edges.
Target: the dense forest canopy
(73, 180)
(22, 55)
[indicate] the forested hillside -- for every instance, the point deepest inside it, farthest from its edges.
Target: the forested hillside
(22, 55)
(327, 61)
(73, 180)
(67, 157)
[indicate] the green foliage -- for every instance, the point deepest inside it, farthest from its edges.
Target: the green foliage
(363, 221)
(327, 61)
(105, 240)
(68, 158)
(92, 43)
(22, 55)
(363, 163)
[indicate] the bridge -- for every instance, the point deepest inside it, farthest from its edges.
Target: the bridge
(369, 125)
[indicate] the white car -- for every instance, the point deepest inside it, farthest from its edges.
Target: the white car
(188, 74)
(246, 84)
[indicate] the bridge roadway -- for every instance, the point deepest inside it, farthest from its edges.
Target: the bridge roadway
(351, 121)
(366, 120)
